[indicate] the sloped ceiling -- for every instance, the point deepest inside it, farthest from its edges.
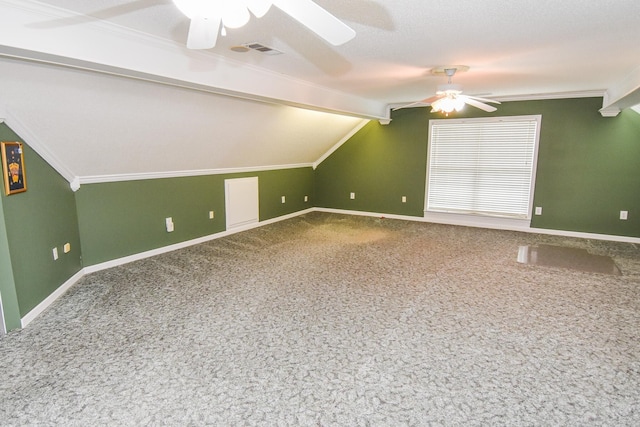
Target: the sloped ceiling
(108, 87)
(107, 125)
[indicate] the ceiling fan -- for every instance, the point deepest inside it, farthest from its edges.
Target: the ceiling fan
(210, 18)
(449, 97)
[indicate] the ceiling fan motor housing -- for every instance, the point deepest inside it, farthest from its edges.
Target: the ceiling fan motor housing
(449, 89)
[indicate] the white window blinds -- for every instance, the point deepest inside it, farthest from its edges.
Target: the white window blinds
(482, 166)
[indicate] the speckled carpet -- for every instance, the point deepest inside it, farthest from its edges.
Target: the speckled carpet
(330, 320)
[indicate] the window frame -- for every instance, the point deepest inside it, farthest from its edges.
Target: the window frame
(484, 219)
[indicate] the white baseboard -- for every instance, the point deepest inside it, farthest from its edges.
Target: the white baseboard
(371, 214)
(124, 260)
(582, 235)
(512, 226)
(3, 328)
(153, 252)
(28, 318)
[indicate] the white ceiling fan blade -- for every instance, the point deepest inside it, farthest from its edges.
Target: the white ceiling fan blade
(478, 104)
(413, 104)
(259, 8)
(317, 20)
(477, 98)
(425, 102)
(203, 32)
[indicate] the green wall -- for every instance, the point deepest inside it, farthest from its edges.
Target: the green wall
(7, 282)
(119, 219)
(587, 172)
(587, 166)
(107, 221)
(36, 221)
(380, 164)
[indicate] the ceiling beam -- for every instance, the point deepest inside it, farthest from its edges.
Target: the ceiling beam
(625, 94)
(104, 47)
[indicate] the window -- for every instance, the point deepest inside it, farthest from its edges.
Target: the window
(482, 166)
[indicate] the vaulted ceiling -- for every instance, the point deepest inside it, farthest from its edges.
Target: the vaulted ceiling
(108, 87)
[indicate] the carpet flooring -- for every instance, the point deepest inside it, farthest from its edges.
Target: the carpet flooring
(332, 320)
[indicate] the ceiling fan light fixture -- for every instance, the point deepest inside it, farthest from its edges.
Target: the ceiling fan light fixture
(449, 96)
(234, 15)
(213, 16)
(449, 88)
(447, 105)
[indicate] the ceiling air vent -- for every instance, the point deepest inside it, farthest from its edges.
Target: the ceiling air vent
(262, 48)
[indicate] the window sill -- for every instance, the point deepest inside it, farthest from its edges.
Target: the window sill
(483, 221)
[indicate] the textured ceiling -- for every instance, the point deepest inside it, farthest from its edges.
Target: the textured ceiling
(100, 124)
(513, 47)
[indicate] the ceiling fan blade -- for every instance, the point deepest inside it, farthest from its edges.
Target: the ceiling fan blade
(259, 8)
(432, 99)
(478, 104)
(203, 32)
(317, 20)
(482, 99)
(413, 104)
(425, 102)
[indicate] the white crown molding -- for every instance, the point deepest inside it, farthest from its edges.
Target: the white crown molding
(339, 143)
(527, 97)
(133, 54)
(97, 179)
(609, 111)
(557, 95)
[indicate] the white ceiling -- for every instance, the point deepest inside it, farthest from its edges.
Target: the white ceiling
(101, 125)
(515, 50)
(513, 47)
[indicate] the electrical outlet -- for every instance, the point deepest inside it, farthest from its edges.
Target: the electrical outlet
(306, 198)
(212, 214)
(352, 195)
(404, 199)
(55, 254)
(624, 215)
(538, 210)
(283, 199)
(66, 248)
(169, 224)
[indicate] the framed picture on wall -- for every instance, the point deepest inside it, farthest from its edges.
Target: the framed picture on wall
(15, 180)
